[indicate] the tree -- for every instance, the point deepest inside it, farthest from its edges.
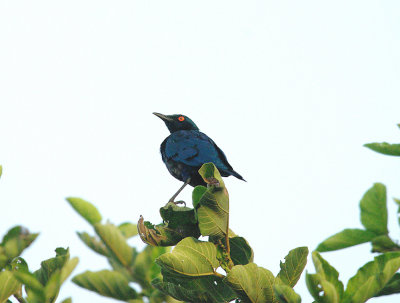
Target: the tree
(209, 262)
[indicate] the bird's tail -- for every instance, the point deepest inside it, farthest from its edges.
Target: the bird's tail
(235, 174)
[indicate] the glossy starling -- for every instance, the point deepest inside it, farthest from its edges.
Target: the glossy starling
(186, 149)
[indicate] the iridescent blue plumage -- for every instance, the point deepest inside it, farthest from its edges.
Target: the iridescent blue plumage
(186, 149)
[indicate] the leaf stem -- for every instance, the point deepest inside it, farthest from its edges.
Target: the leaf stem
(228, 247)
(217, 274)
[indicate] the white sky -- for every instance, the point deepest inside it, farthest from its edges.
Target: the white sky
(290, 90)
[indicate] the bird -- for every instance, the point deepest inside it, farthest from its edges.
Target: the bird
(186, 149)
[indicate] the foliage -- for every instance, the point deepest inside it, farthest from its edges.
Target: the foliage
(219, 266)
(193, 264)
(192, 271)
(209, 262)
(376, 278)
(41, 286)
(128, 265)
(373, 214)
(385, 148)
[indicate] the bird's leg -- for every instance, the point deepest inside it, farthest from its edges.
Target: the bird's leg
(178, 192)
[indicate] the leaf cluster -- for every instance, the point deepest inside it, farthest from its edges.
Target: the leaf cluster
(42, 285)
(374, 217)
(376, 278)
(128, 265)
(193, 270)
(209, 262)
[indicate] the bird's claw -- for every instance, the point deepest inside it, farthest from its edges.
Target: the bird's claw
(177, 202)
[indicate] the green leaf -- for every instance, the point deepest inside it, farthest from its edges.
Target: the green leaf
(391, 287)
(115, 242)
(324, 286)
(67, 300)
(373, 209)
(397, 201)
(385, 148)
(241, 252)
(86, 209)
(177, 216)
(213, 215)
(285, 294)
(53, 286)
(52, 265)
(322, 290)
(328, 272)
(372, 278)
(214, 289)
(67, 269)
(3, 259)
(18, 264)
(213, 206)
(106, 283)
(156, 296)
(30, 282)
(8, 285)
(294, 265)
(44, 285)
(179, 292)
(197, 193)
(346, 238)
(181, 219)
(1, 170)
(252, 283)
(144, 269)
(384, 244)
(14, 242)
(93, 243)
(161, 234)
(204, 289)
(128, 229)
(191, 257)
(210, 174)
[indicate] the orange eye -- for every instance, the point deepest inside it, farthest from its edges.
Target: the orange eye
(181, 118)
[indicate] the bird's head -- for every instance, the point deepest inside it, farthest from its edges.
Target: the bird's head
(177, 122)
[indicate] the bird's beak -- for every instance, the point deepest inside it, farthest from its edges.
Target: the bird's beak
(163, 117)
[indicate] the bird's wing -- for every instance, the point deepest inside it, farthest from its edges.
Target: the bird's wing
(194, 148)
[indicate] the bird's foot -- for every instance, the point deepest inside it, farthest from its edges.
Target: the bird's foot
(177, 202)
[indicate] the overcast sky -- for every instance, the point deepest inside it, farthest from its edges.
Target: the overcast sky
(290, 90)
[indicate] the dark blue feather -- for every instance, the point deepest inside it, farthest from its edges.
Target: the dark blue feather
(185, 151)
